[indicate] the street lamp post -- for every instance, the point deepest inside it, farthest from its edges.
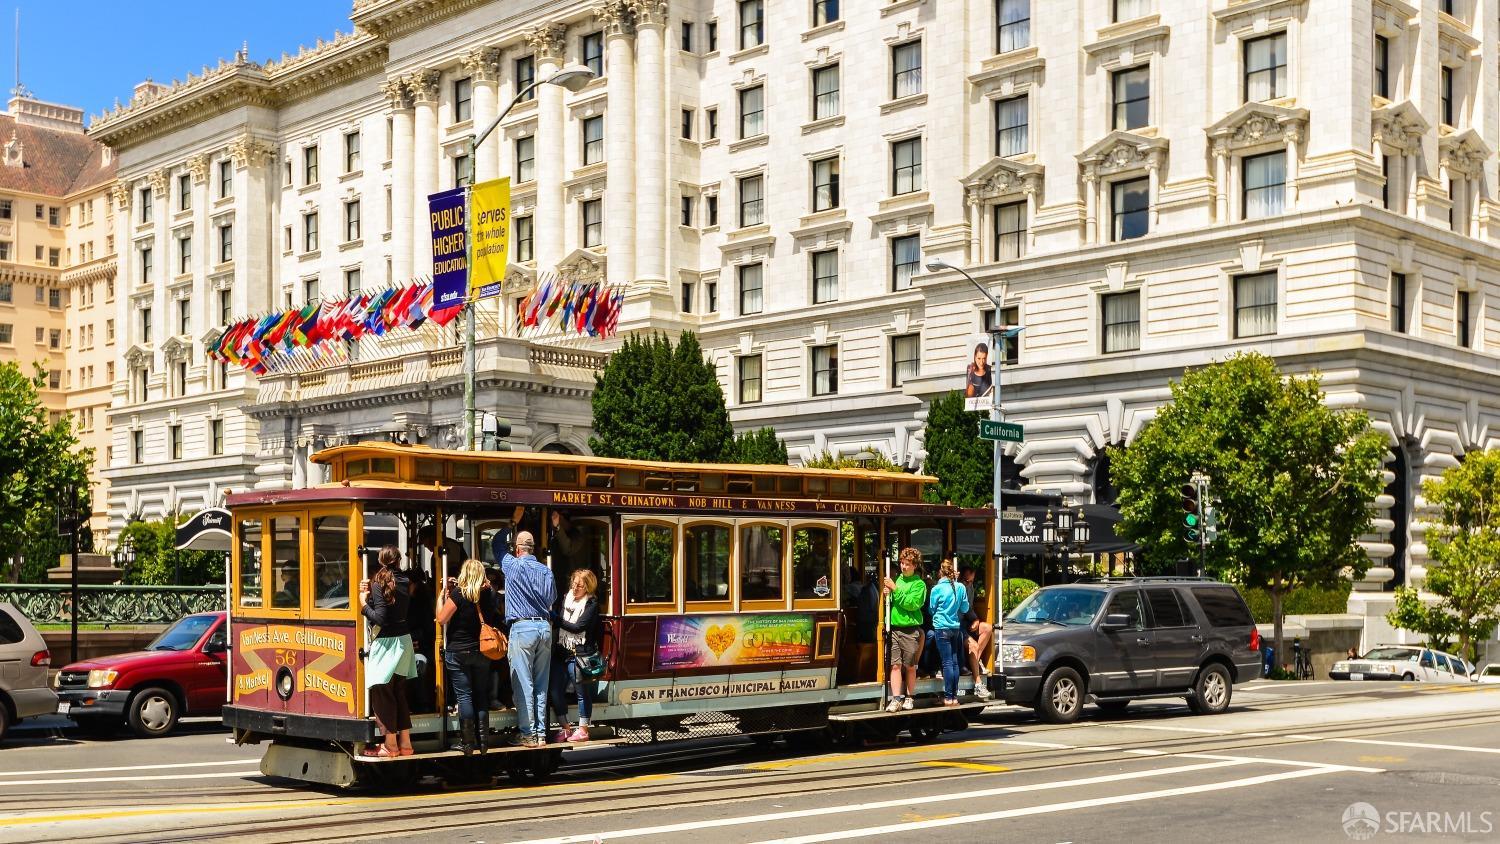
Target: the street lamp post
(573, 78)
(998, 338)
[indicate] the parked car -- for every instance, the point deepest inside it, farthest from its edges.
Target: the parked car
(183, 672)
(1403, 662)
(23, 670)
(1488, 674)
(1119, 640)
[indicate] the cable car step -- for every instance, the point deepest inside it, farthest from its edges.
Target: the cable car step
(504, 748)
(923, 707)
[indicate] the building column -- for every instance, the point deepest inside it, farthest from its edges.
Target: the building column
(975, 219)
(423, 86)
(1153, 184)
(125, 280)
(548, 42)
(162, 326)
(401, 179)
(1090, 206)
(1221, 183)
(1293, 137)
(484, 70)
(1031, 188)
(619, 144)
(1412, 174)
(252, 161)
(651, 94)
(205, 314)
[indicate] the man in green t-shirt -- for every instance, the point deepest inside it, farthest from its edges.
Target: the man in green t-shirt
(907, 593)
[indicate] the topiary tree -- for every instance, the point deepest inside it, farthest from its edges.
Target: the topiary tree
(760, 446)
(660, 401)
(878, 463)
(956, 456)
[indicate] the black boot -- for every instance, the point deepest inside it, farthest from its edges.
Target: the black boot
(482, 734)
(466, 736)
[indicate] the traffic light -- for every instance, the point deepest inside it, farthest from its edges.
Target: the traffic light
(1192, 521)
(494, 431)
(1210, 522)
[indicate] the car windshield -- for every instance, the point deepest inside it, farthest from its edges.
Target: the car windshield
(1064, 606)
(1393, 654)
(182, 635)
(1492, 671)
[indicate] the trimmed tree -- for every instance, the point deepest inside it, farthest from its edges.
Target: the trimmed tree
(660, 401)
(956, 456)
(38, 459)
(760, 446)
(878, 463)
(1294, 479)
(1465, 551)
(159, 563)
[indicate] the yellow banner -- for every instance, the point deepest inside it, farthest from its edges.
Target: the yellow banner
(337, 691)
(489, 222)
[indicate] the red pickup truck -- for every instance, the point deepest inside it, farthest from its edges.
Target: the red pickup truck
(183, 672)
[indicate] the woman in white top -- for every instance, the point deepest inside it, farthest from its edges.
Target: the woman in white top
(577, 636)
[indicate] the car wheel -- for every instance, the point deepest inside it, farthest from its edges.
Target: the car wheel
(1212, 691)
(4, 720)
(1061, 697)
(152, 712)
(1408, 677)
(1113, 707)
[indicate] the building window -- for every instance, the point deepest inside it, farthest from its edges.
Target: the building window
(7, 334)
(145, 325)
(1132, 90)
(7, 211)
(351, 220)
(906, 166)
(687, 210)
(54, 257)
(1130, 207)
(752, 201)
(751, 279)
(825, 273)
(310, 165)
(351, 152)
(1011, 126)
(1446, 6)
(185, 316)
(216, 435)
(286, 239)
(1010, 231)
(310, 289)
(825, 173)
(593, 222)
(593, 139)
(174, 441)
(1129, 10)
(1382, 66)
(592, 48)
(1010, 318)
(711, 210)
(138, 441)
(526, 158)
(825, 12)
(749, 378)
(825, 92)
(184, 192)
(906, 358)
(145, 204)
(226, 243)
(1398, 302)
(825, 367)
(54, 339)
(463, 171)
(184, 255)
(7, 292)
(1447, 94)
(352, 281)
(463, 99)
(1255, 305)
(523, 239)
(225, 314)
(1013, 18)
(1462, 316)
(711, 297)
(711, 119)
(226, 179)
(906, 69)
(687, 124)
(712, 29)
(906, 257)
(687, 297)
(1265, 185)
(1122, 321)
(310, 232)
(1265, 68)
(145, 265)
(526, 77)
(752, 112)
(685, 42)
(5, 252)
(752, 23)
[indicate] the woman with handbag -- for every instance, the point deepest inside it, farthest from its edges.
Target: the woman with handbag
(391, 661)
(577, 654)
(470, 609)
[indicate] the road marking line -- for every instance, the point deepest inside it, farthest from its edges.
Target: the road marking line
(900, 802)
(1143, 752)
(1203, 730)
(251, 773)
(890, 829)
(1418, 745)
(967, 766)
(1297, 763)
(1302, 737)
(867, 754)
(1046, 745)
(126, 768)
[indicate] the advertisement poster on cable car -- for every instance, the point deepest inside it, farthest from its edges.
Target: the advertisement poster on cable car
(712, 641)
(290, 667)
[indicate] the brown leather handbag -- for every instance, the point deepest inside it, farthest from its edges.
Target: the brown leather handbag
(492, 643)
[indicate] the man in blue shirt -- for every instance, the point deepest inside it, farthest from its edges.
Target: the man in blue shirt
(529, 595)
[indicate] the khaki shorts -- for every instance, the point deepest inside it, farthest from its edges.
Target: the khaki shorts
(904, 647)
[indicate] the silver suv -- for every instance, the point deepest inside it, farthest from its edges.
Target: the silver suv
(23, 670)
(1117, 640)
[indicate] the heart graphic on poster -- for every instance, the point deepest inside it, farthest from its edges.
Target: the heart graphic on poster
(718, 637)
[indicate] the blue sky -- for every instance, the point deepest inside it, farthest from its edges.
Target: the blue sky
(85, 53)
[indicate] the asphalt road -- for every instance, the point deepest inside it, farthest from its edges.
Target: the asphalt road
(1289, 762)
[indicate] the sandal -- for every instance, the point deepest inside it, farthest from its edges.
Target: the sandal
(379, 751)
(406, 751)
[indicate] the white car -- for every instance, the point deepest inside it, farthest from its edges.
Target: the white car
(1488, 674)
(1403, 662)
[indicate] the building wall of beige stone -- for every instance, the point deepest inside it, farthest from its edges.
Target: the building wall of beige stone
(33, 330)
(89, 279)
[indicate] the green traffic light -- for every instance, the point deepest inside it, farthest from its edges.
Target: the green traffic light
(1191, 520)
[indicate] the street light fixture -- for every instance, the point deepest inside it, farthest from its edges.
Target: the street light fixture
(572, 78)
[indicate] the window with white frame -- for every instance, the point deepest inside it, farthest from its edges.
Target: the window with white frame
(687, 297)
(526, 158)
(523, 238)
(825, 183)
(749, 377)
(591, 46)
(1264, 178)
(1445, 83)
(1010, 231)
(310, 232)
(1462, 314)
(752, 111)
(1012, 25)
(906, 258)
(593, 222)
(593, 139)
(825, 12)
(310, 165)
(825, 91)
(1382, 66)
(1012, 119)
(184, 192)
(1010, 317)
(686, 208)
(351, 151)
(1255, 305)
(226, 178)
(1265, 68)
(752, 23)
(906, 69)
(825, 370)
(1129, 10)
(752, 201)
(825, 273)
(1398, 302)
(226, 242)
(906, 358)
(463, 99)
(351, 221)
(184, 254)
(463, 170)
(526, 76)
(1132, 96)
(752, 279)
(1121, 324)
(906, 166)
(1130, 208)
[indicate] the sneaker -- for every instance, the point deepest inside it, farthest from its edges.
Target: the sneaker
(908, 704)
(518, 740)
(894, 705)
(562, 736)
(982, 690)
(581, 733)
(950, 701)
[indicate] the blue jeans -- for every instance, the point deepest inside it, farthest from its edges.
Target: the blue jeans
(564, 669)
(951, 648)
(469, 671)
(530, 663)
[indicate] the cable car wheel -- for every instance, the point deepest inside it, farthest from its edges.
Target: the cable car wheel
(533, 767)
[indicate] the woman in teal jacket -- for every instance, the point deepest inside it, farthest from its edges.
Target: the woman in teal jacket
(948, 603)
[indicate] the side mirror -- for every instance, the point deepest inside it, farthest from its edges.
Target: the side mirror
(1115, 621)
(215, 647)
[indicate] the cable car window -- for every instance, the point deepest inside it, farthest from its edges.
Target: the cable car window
(649, 553)
(707, 562)
(331, 562)
(812, 563)
(252, 593)
(286, 563)
(497, 472)
(465, 471)
(383, 466)
(761, 562)
(579, 544)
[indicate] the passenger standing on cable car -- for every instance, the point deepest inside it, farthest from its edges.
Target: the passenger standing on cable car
(529, 595)
(467, 601)
(578, 636)
(908, 594)
(949, 602)
(390, 662)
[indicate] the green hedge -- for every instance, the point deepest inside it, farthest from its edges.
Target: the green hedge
(1305, 601)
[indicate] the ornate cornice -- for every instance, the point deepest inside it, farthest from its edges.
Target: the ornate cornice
(615, 15)
(396, 94)
(548, 41)
(1121, 152)
(424, 86)
(392, 18)
(1463, 153)
(483, 64)
(99, 270)
(250, 151)
(1002, 177)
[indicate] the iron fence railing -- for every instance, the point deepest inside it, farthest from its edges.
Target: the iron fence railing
(51, 604)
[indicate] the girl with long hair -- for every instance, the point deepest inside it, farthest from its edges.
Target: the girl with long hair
(391, 661)
(578, 635)
(948, 603)
(467, 602)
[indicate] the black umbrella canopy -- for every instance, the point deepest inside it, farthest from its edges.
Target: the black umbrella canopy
(206, 531)
(1021, 528)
